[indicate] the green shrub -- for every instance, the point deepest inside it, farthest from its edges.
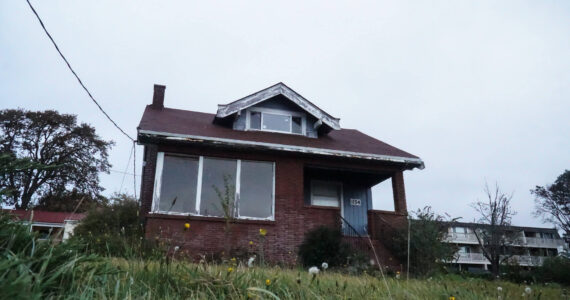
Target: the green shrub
(114, 230)
(555, 269)
(323, 244)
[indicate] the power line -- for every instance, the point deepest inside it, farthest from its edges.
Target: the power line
(121, 172)
(75, 74)
(126, 169)
(135, 168)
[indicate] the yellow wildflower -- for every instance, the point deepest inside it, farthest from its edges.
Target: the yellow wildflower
(251, 242)
(230, 269)
(187, 226)
(267, 282)
(451, 298)
(262, 231)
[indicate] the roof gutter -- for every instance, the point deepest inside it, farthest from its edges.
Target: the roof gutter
(407, 161)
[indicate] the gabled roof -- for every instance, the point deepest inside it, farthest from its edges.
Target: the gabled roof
(198, 128)
(280, 88)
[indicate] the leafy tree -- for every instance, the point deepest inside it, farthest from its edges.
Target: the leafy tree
(72, 155)
(553, 202)
(70, 201)
(427, 247)
(493, 231)
(12, 165)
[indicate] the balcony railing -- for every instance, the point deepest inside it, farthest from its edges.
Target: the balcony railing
(542, 242)
(461, 238)
(530, 241)
(526, 260)
(472, 258)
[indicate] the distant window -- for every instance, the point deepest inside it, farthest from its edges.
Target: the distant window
(276, 121)
(255, 120)
(326, 193)
(297, 125)
(459, 230)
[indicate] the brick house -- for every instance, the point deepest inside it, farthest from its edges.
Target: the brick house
(289, 162)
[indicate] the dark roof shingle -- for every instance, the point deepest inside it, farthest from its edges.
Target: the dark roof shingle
(183, 122)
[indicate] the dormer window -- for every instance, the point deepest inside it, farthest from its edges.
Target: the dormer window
(273, 120)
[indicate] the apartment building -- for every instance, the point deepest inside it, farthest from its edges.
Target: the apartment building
(529, 249)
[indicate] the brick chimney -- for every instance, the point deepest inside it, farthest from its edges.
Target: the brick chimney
(158, 96)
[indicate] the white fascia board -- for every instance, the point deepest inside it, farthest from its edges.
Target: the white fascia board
(278, 89)
(290, 148)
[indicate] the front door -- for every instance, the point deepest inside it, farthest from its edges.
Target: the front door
(354, 210)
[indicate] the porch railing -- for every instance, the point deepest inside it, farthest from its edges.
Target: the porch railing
(351, 235)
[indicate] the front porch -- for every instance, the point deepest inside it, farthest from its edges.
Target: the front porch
(350, 192)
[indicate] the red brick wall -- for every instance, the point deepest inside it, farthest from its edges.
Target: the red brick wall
(292, 217)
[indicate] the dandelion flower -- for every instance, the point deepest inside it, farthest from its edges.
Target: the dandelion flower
(267, 282)
(230, 269)
(251, 242)
(499, 289)
(313, 270)
(250, 261)
(527, 290)
(451, 298)
(325, 266)
(187, 226)
(262, 231)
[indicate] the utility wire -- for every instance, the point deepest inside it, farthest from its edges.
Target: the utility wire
(135, 168)
(126, 169)
(75, 74)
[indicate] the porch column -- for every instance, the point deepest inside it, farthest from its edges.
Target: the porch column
(399, 193)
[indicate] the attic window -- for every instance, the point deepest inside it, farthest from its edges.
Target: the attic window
(276, 121)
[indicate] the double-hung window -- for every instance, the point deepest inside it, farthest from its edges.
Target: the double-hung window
(276, 121)
(326, 193)
(205, 186)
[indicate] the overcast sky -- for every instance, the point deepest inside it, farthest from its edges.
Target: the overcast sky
(479, 90)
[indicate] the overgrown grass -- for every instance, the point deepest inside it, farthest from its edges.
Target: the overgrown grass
(30, 269)
(151, 279)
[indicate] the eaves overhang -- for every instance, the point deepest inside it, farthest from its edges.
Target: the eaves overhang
(225, 110)
(407, 162)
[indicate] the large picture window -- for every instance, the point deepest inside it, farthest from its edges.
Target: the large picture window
(193, 186)
(179, 182)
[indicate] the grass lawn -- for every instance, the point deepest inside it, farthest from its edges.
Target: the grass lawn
(152, 280)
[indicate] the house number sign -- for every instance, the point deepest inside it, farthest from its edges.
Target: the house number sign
(355, 202)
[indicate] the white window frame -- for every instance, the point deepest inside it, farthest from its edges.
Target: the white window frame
(338, 183)
(158, 183)
(280, 112)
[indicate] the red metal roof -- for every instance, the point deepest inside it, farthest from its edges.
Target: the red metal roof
(183, 122)
(45, 216)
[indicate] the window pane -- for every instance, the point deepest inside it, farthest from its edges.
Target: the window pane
(297, 125)
(255, 120)
(276, 122)
(256, 189)
(178, 186)
(325, 193)
(213, 173)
